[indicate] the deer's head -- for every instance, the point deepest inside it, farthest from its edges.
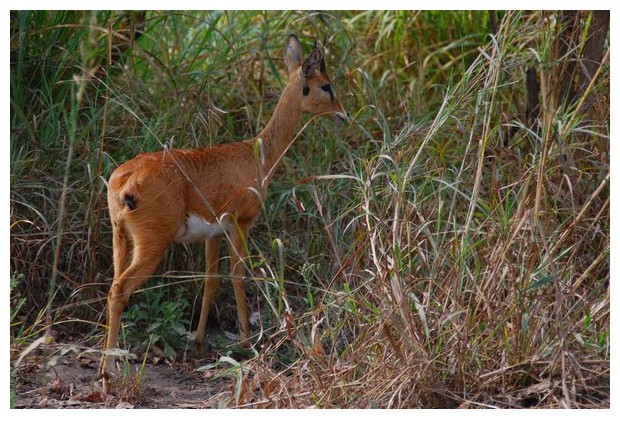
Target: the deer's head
(309, 76)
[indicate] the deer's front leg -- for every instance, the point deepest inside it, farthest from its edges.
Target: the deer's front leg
(212, 281)
(237, 268)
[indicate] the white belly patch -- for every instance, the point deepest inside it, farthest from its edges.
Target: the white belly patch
(195, 229)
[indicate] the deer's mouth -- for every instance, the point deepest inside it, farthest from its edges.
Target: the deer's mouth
(339, 117)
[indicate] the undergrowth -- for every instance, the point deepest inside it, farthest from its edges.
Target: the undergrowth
(449, 248)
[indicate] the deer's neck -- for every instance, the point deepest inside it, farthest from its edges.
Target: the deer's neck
(280, 129)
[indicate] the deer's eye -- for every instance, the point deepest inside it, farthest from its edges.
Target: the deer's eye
(328, 88)
(306, 90)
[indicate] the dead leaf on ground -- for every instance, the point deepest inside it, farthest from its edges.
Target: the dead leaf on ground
(94, 396)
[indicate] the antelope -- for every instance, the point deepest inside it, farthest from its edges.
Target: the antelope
(204, 195)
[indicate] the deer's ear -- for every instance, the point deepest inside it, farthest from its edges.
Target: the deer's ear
(316, 48)
(314, 61)
(293, 53)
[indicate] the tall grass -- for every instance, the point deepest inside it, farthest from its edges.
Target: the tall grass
(446, 249)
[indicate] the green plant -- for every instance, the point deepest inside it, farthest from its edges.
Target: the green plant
(16, 303)
(157, 320)
(16, 326)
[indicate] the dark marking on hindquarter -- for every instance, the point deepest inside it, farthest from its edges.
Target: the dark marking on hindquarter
(129, 201)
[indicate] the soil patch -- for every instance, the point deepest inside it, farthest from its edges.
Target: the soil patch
(72, 382)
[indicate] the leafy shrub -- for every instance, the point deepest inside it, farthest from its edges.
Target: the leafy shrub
(157, 320)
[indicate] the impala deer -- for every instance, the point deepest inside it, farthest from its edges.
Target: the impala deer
(203, 195)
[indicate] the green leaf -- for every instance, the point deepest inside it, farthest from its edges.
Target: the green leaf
(153, 327)
(169, 352)
(541, 282)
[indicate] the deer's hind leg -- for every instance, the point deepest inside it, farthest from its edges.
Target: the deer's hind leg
(147, 253)
(121, 248)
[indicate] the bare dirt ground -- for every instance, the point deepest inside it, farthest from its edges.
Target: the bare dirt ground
(71, 381)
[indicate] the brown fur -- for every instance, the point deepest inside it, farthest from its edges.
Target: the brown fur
(151, 196)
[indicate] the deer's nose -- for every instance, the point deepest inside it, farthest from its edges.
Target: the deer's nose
(340, 117)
